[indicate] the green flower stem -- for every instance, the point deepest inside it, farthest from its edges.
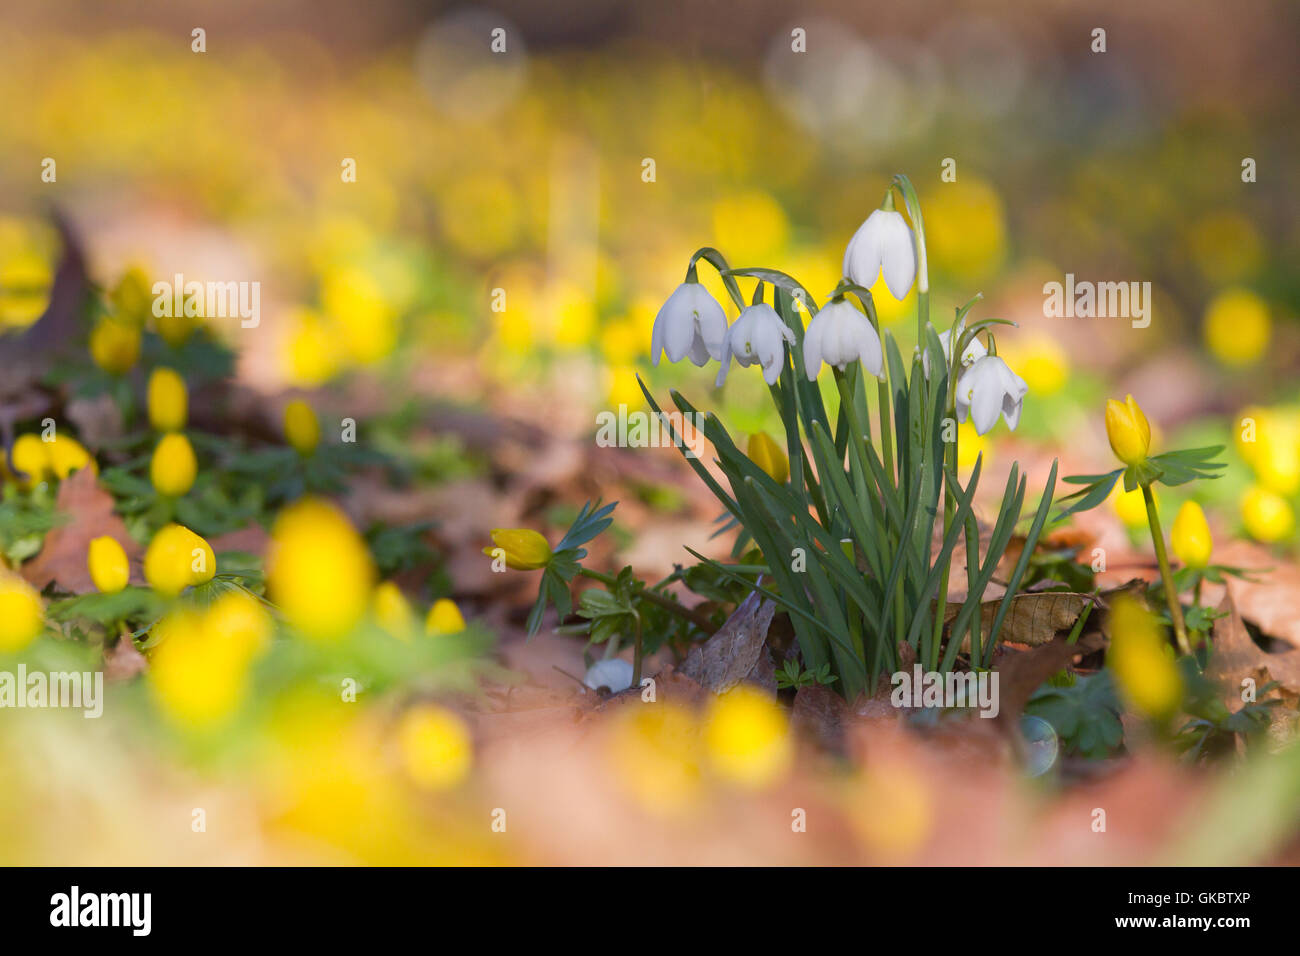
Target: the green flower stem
(1166, 577)
(636, 653)
(657, 599)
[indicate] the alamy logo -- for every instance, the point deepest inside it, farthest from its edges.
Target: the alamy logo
(1102, 300)
(133, 910)
(932, 689)
(624, 429)
(84, 689)
(212, 300)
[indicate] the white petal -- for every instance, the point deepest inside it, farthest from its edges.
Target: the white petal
(870, 352)
(710, 320)
(699, 354)
(862, 256)
(986, 405)
(1011, 411)
(812, 349)
(897, 252)
(614, 673)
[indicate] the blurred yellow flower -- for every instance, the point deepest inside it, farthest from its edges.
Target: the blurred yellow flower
(107, 564)
(1130, 506)
(358, 307)
(198, 673)
(970, 445)
(168, 400)
(444, 618)
(25, 280)
(750, 228)
(21, 619)
(32, 457)
(319, 571)
(623, 388)
(1040, 361)
(392, 611)
(1226, 247)
(1190, 536)
(132, 297)
(1128, 430)
(176, 329)
(769, 456)
(747, 737)
(115, 345)
(310, 352)
(177, 558)
(435, 746)
(480, 214)
(654, 752)
(571, 314)
(1237, 327)
(1267, 515)
(68, 455)
(965, 229)
(888, 309)
(1274, 449)
(523, 548)
(173, 467)
(892, 811)
(301, 427)
(623, 341)
(1142, 661)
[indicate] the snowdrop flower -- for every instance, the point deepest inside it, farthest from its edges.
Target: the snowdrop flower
(690, 323)
(988, 388)
(883, 243)
(973, 352)
(614, 674)
(838, 335)
(759, 336)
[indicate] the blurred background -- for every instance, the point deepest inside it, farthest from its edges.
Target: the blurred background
(516, 218)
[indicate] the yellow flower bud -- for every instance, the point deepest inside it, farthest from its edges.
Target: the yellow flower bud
(1142, 661)
(168, 400)
(435, 746)
(1128, 430)
(444, 618)
(131, 296)
(768, 455)
(176, 329)
(20, 613)
(108, 565)
(198, 671)
(301, 426)
(747, 737)
(524, 549)
(319, 571)
(1190, 536)
(391, 610)
(173, 467)
(68, 455)
(238, 618)
(177, 558)
(114, 345)
(32, 458)
(1267, 515)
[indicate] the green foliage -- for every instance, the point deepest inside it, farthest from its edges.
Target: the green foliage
(1084, 714)
(791, 675)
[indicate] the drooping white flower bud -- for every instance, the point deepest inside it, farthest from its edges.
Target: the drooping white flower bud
(690, 323)
(838, 335)
(987, 389)
(884, 243)
(759, 336)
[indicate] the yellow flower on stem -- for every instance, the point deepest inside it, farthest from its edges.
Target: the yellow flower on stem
(767, 454)
(1142, 662)
(301, 427)
(1190, 536)
(391, 610)
(435, 747)
(168, 400)
(1128, 430)
(176, 559)
(32, 458)
(1267, 515)
(444, 618)
(174, 467)
(114, 345)
(68, 455)
(747, 737)
(21, 617)
(108, 565)
(523, 548)
(319, 571)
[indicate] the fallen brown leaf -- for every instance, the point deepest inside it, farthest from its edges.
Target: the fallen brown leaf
(87, 513)
(737, 651)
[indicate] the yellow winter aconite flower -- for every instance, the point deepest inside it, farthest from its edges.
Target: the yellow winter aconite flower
(108, 565)
(767, 454)
(24, 288)
(310, 353)
(444, 618)
(1269, 441)
(131, 296)
(176, 559)
(1237, 327)
(965, 228)
(1142, 661)
(1128, 430)
(1190, 536)
(1267, 515)
(239, 617)
(392, 611)
(20, 613)
(114, 345)
(654, 751)
(32, 457)
(750, 227)
(68, 455)
(174, 466)
(176, 330)
(1130, 505)
(435, 746)
(523, 548)
(892, 811)
(1041, 362)
(301, 427)
(319, 571)
(747, 737)
(198, 673)
(168, 400)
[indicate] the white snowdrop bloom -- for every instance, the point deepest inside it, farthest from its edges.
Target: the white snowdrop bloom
(614, 674)
(759, 336)
(989, 388)
(838, 335)
(883, 243)
(690, 323)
